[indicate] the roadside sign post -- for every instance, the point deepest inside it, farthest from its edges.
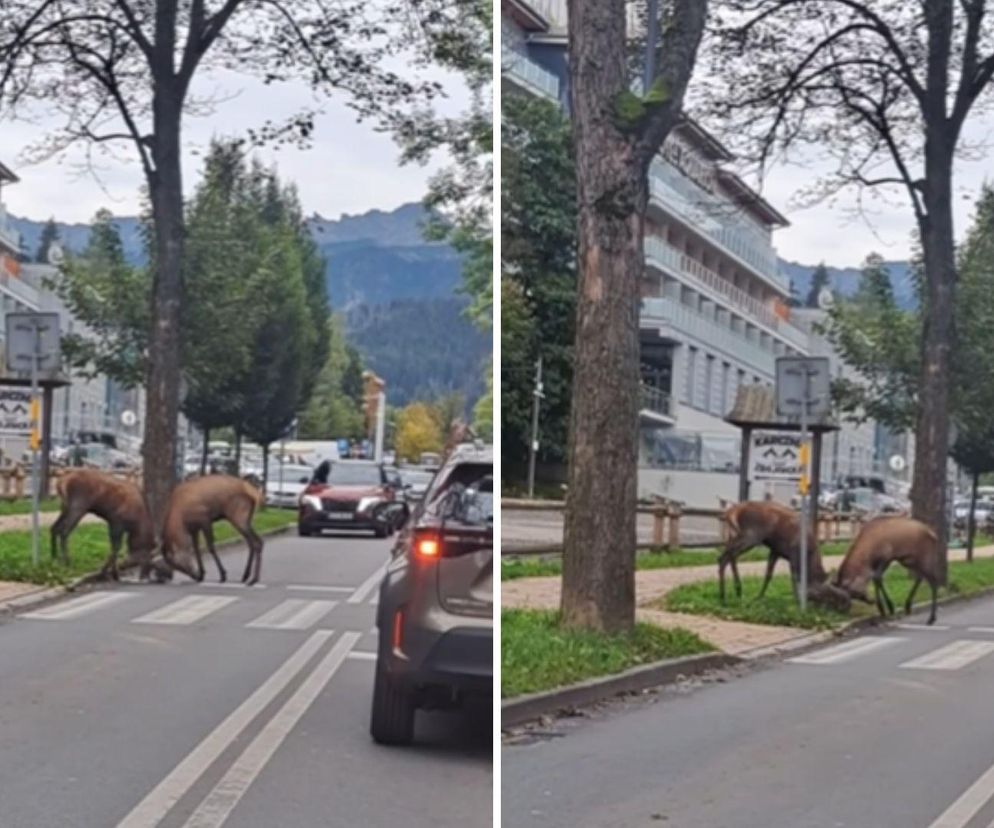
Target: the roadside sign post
(33, 343)
(803, 388)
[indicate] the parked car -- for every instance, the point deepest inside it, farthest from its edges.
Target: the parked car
(286, 484)
(982, 512)
(868, 501)
(344, 495)
(435, 610)
(416, 481)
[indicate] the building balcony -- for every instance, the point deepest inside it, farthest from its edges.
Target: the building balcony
(717, 220)
(719, 288)
(664, 312)
(656, 404)
(527, 74)
(9, 237)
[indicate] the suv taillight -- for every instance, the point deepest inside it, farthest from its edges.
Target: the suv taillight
(427, 545)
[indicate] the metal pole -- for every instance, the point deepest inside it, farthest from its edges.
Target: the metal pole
(803, 596)
(533, 446)
(651, 35)
(34, 448)
(381, 420)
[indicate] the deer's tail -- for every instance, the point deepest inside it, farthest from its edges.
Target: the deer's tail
(731, 517)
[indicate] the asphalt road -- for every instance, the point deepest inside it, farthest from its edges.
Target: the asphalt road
(521, 530)
(892, 729)
(124, 708)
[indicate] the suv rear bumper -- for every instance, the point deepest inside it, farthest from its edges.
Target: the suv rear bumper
(460, 658)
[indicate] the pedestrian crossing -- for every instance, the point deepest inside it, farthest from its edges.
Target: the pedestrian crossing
(190, 610)
(949, 656)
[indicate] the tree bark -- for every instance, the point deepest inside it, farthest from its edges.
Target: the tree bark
(599, 540)
(163, 385)
(928, 495)
(971, 521)
(238, 452)
(265, 466)
(204, 452)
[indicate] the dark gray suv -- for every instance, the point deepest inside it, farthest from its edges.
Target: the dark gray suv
(435, 612)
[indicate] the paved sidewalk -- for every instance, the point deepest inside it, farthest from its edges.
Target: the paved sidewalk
(733, 637)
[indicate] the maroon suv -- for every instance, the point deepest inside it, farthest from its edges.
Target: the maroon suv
(345, 495)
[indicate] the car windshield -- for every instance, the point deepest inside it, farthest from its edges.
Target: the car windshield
(358, 475)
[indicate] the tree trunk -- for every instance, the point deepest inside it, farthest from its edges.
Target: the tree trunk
(265, 466)
(163, 384)
(928, 494)
(971, 521)
(238, 452)
(599, 541)
(204, 452)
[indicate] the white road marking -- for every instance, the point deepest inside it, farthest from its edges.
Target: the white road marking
(952, 656)
(222, 800)
(362, 655)
(366, 587)
(187, 610)
(981, 629)
(76, 607)
(846, 651)
(936, 627)
(230, 585)
(293, 614)
(959, 814)
(150, 811)
(319, 588)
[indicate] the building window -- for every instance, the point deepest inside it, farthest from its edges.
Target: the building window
(726, 372)
(691, 372)
(708, 382)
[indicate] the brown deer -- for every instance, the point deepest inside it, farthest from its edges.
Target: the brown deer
(121, 504)
(881, 542)
(764, 523)
(193, 508)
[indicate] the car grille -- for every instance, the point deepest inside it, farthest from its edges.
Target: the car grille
(339, 505)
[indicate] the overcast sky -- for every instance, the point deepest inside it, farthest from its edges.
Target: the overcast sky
(350, 168)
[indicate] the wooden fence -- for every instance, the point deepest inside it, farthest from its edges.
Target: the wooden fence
(670, 520)
(15, 481)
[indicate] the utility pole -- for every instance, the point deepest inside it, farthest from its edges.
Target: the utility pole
(533, 446)
(651, 36)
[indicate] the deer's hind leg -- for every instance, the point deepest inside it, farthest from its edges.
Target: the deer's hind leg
(209, 537)
(729, 556)
(67, 520)
(110, 565)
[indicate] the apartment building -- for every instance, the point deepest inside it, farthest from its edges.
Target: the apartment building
(714, 310)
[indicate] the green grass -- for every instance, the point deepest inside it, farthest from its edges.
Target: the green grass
(23, 507)
(89, 546)
(536, 654)
(538, 567)
(778, 605)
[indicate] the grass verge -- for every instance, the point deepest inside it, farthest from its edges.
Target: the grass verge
(23, 507)
(89, 546)
(778, 605)
(536, 654)
(655, 559)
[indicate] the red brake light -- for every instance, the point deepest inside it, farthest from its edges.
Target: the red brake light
(427, 547)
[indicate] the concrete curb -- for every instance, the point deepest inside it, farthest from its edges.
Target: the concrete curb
(42, 595)
(526, 708)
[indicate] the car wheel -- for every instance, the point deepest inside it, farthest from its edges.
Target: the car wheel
(381, 533)
(304, 533)
(392, 720)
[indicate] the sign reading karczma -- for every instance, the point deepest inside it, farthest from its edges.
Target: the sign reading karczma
(15, 411)
(775, 455)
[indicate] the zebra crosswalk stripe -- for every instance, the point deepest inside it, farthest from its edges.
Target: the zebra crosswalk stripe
(79, 606)
(847, 650)
(952, 656)
(293, 614)
(185, 611)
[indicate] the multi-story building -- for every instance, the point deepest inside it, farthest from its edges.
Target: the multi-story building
(85, 406)
(714, 306)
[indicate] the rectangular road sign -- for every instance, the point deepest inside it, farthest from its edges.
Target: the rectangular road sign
(801, 379)
(30, 335)
(15, 411)
(775, 455)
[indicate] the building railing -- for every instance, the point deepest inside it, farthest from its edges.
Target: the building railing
(9, 237)
(667, 254)
(529, 74)
(679, 316)
(656, 400)
(709, 215)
